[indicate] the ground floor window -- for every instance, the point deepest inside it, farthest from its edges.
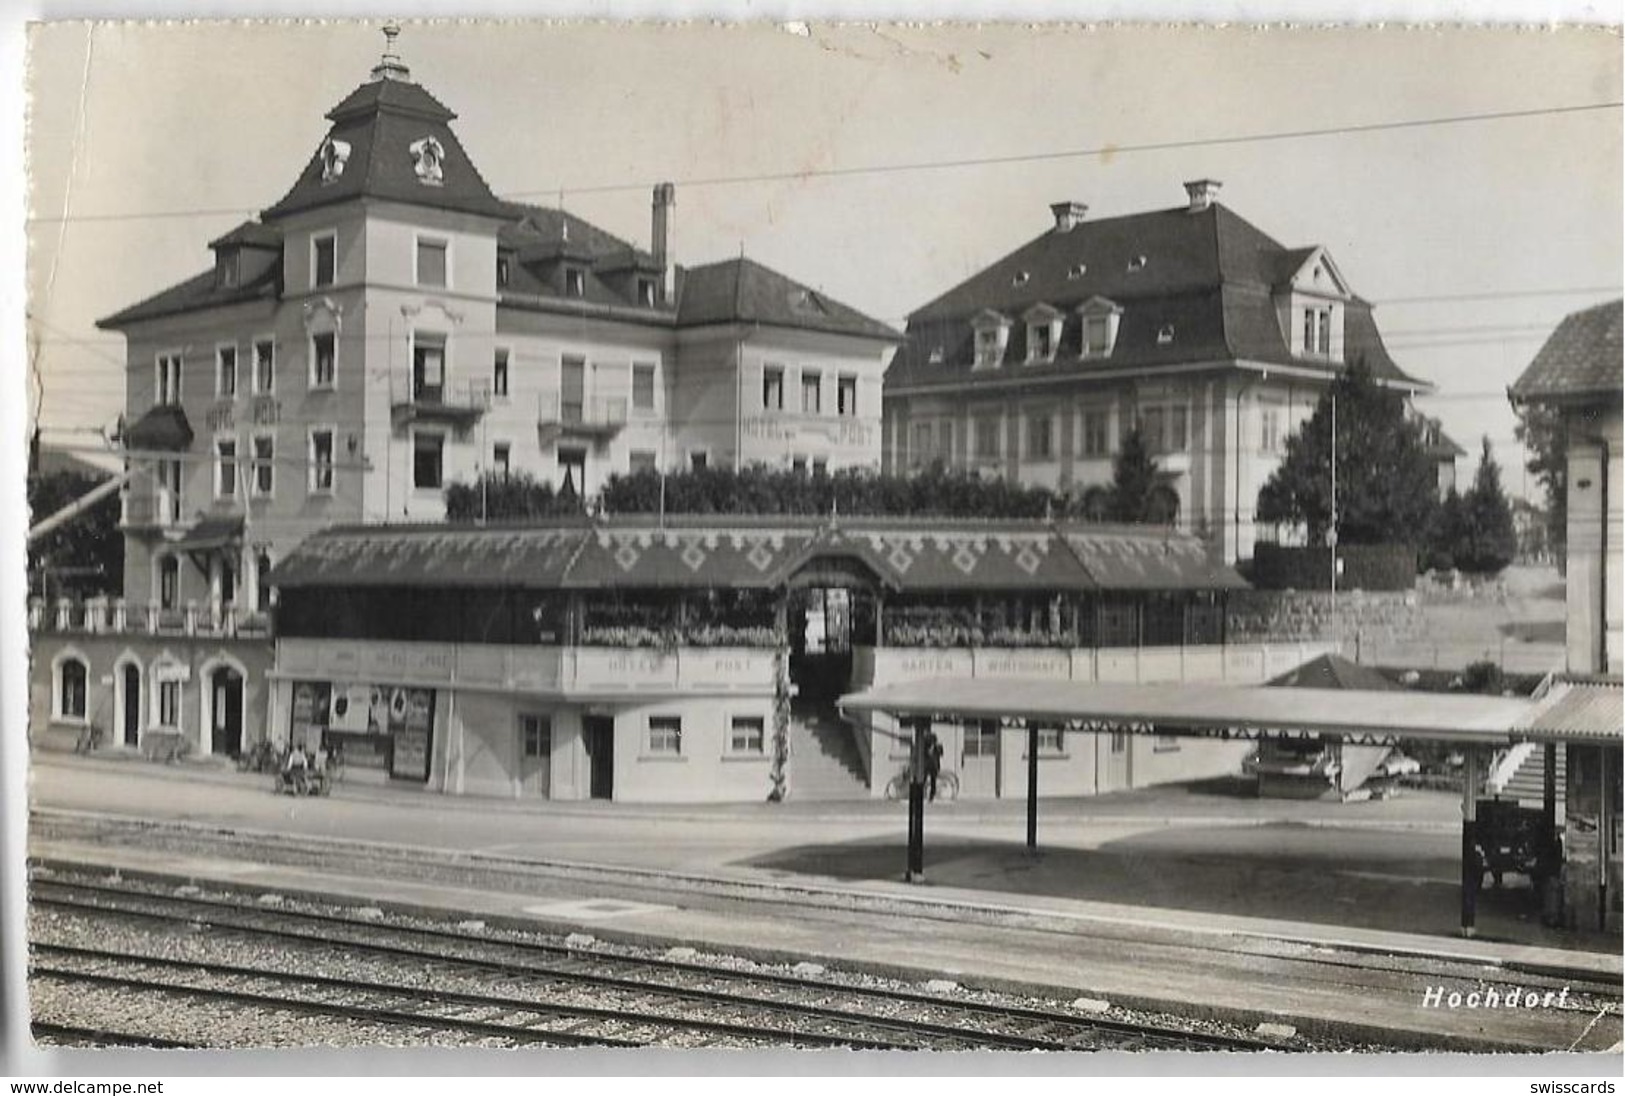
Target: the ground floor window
(665, 735)
(72, 679)
(747, 735)
(1119, 742)
(981, 738)
(1165, 743)
(535, 735)
(1051, 740)
(169, 703)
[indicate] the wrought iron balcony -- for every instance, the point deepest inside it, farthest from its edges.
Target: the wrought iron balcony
(438, 403)
(593, 417)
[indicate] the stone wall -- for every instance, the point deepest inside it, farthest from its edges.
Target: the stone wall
(1376, 617)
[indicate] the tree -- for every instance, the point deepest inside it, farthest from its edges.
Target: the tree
(83, 557)
(1134, 480)
(1386, 482)
(1487, 541)
(1540, 428)
(498, 496)
(1444, 534)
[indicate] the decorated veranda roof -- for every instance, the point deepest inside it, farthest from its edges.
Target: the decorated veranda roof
(438, 556)
(756, 552)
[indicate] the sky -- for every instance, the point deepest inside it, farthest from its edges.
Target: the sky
(1472, 238)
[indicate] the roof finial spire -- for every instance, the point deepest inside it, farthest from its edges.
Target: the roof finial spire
(390, 66)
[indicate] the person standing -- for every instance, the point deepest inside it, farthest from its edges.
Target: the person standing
(933, 762)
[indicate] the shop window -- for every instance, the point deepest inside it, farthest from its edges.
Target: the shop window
(982, 738)
(747, 735)
(73, 679)
(665, 735)
(536, 735)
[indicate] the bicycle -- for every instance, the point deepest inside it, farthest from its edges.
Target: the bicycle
(947, 785)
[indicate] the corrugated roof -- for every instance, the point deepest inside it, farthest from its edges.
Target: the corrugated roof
(1239, 710)
(1209, 276)
(1581, 358)
(1590, 710)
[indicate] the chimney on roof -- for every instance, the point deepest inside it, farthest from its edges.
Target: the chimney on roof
(1067, 214)
(390, 66)
(665, 201)
(1202, 192)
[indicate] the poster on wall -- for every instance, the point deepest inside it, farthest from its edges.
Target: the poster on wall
(411, 722)
(351, 707)
(312, 708)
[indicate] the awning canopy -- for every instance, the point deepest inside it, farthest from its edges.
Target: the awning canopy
(164, 428)
(1581, 710)
(1210, 710)
(212, 531)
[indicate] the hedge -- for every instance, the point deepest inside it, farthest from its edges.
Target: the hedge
(1365, 567)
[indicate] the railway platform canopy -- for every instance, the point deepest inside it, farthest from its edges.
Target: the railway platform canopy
(1358, 716)
(1477, 724)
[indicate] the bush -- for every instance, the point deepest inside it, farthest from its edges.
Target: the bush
(1365, 567)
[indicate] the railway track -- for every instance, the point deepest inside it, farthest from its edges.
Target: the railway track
(498, 986)
(79, 1035)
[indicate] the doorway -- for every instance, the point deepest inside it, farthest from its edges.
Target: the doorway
(226, 734)
(535, 755)
(979, 759)
(598, 731)
(132, 705)
(1113, 761)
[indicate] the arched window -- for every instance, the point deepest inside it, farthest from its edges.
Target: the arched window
(72, 679)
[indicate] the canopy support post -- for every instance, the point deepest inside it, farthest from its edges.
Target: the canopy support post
(1032, 787)
(915, 872)
(1472, 873)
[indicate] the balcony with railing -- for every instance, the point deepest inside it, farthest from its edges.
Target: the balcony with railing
(460, 405)
(586, 416)
(115, 616)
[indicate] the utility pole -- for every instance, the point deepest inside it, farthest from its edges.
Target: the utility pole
(1331, 532)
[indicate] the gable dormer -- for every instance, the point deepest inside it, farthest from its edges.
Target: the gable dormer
(1311, 305)
(245, 254)
(1100, 319)
(1043, 332)
(992, 337)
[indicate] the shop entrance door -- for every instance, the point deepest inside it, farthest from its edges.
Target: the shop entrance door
(1111, 757)
(226, 736)
(535, 755)
(599, 733)
(132, 705)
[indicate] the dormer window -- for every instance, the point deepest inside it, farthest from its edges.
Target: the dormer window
(935, 357)
(226, 270)
(575, 282)
(992, 335)
(1100, 320)
(646, 292)
(504, 270)
(1317, 331)
(1165, 334)
(1076, 271)
(1043, 332)
(1136, 264)
(1021, 277)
